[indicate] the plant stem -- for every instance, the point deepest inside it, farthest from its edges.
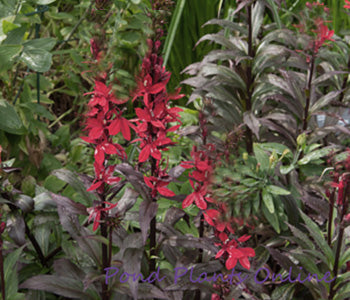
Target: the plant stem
(332, 291)
(105, 259)
(35, 245)
(250, 78)
(2, 273)
(330, 217)
(308, 98)
(341, 97)
(200, 255)
(153, 225)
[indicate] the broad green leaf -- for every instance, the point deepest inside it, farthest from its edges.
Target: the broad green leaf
(11, 278)
(276, 190)
(319, 238)
(44, 2)
(286, 169)
(39, 60)
(9, 119)
(268, 200)
(284, 292)
(261, 157)
(42, 43)
(272, 218)
(8, 26)
(307, 263)
(39, 110)
(302, 238)
(7, 53)
(314, 155)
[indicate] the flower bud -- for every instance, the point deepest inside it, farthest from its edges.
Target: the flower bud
(301, 139)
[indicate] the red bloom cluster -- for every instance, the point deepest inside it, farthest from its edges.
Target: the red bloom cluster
(104, 120)
(347, 5)
(154, 117)
(200, 177)
(233, 253)
(323, 35)
(203, 165)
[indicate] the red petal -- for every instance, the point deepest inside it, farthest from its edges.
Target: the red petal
(95, 186)
(156, 154)
(244, 261)
(200, 201)
(157, 124)
(144, 154)
(156, 88)
(148, 182)
(244, 238)
(208, 219)
(230, 263)
(125, 129)
(223, 236)
(188, 201)
(248, 251)
(220, 253)
(99, 155)
(165, 192)
(114, 128)
(95, 133)
(109, 148)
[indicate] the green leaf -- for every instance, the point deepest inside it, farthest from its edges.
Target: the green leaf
(9, 119)
(315, 155)
(276, 190)
(319, 238)
(286, 169)
(261, 157)
(11, 279)
(8, 26)
(44, 2)
(42, 43)
(174, 24)
(39, 110)
(275, 13)
(7, 53)
(39, 60)
(272, 218)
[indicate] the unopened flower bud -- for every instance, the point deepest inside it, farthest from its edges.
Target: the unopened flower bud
(245, 156)
(301, 139)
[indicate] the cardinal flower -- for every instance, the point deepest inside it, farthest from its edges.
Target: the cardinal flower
(103, 175)
(96, 211)
(234, 254)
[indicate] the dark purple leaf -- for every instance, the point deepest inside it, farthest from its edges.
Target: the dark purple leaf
(132, 265)
(173, 215)
(15, 227)
(252, 122)
(63, 286)
(136, 179)
(70, 206)
(147, 211)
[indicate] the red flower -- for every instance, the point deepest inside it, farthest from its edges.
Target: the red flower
(146, 88)
(236, 254)
(120, 124)
(158, 185)
(215, 218)
(347, 5)
(198, 196)
(95, 213)
(323, 35)
(341, 186)
(103, 175)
